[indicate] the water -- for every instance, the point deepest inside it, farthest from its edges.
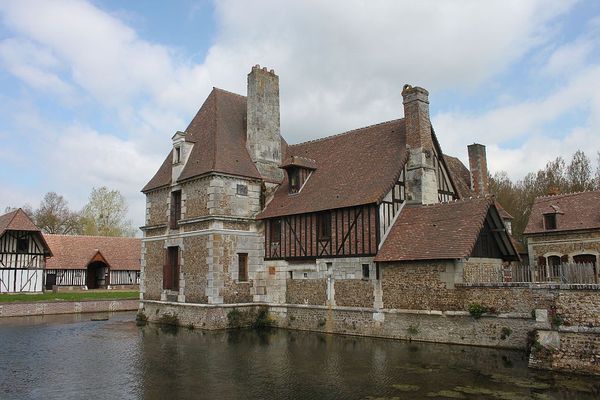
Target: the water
(72, 357)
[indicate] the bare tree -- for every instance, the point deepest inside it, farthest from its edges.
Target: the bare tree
(54, 216)
(579, 173)
(106, 214)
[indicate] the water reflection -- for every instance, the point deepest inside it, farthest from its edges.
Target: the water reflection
(72, 357)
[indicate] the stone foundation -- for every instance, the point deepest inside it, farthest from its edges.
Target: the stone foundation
(568, 349)
(66, 307)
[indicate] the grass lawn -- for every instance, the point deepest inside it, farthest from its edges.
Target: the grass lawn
(70, 296)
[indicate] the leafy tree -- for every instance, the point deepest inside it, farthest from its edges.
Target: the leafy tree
(105, 214)
(54, 216)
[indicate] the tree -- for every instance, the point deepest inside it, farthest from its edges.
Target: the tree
(579, 173)
(26, 208)
(54, 216)
(105, 214)
(598, 173)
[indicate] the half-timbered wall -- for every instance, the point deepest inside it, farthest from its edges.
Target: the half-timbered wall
(68, 277)
(352, 232)
(391, 204)
(446, 191)
(21, 262)
(125, 277)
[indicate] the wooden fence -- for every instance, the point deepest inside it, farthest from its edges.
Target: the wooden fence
(566, 273)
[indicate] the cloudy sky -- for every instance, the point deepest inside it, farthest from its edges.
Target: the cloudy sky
(92, 91)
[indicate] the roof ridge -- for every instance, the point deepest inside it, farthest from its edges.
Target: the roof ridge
(345, 133)
(462, 200)
(90, 236)
(551, 196)
(227, 91)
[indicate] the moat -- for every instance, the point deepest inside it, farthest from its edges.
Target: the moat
(73, 357)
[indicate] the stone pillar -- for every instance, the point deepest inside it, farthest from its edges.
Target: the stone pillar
(421, 181)
(263, 138)
(480, 183)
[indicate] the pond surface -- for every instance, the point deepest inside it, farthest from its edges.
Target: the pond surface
(72, 357)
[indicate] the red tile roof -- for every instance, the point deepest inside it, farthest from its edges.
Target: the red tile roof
(76, 252)
(352, 168)
(438, 231)
(17, 221)
(577, 211)
(461, 175)
(218, 132)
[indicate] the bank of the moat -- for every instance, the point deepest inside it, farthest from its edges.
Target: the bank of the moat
(71, 357)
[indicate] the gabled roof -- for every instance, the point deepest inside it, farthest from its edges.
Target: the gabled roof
(578, 211)
(352, 168)
(443, 231)
(218, 132)
(17, 221)
(461, 175)
(76, 252)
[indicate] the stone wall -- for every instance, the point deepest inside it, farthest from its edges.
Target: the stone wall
(306, 291)
(196, 197)
(195, 268)
(223, 198)
(157, 207)
(566, 351)
(482, 270)
(563, 244)
(579, 307)
(153, 258)
(19, 309)
(354, 293)
(418, 286)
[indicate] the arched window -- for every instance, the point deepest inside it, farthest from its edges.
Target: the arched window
(554, 266)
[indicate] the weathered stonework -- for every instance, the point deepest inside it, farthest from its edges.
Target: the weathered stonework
(354, 293)
(196, 197)
(154, 257)
(195, 268)
(306, 291)
(156, 207)
(567, 351)
(570, 244)
(579, 307)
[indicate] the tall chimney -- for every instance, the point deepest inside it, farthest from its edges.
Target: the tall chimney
(421, 181)
(263, 138)
(480, 183)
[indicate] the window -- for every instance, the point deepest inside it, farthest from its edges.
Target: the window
(242, 267)
(177, 155)
(294, 180)
(175, 209)
(324, 226)
(365, 271)
(377, 271)
(171, 269)
(275, 230)
(22, 245)
(550, 221)
(242, 190)
(305, 275)
(554, 266)
(291, 274)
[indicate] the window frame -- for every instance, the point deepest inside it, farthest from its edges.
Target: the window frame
(366, 273)
(176, 205)
(324, 226)
(243, 267)
(171, 268)
(275, 230)
(550, 221)
(20, 248)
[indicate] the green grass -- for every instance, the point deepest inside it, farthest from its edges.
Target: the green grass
(70, 296)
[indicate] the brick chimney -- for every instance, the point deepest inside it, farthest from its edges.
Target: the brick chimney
(421, 181)
(480, 183)
(263, 138)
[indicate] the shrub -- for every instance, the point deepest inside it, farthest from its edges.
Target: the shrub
(477, 310)
(141, 318)
(169, 319)
(505, 333)
(234, 318)
(263, 319)
(412, 330)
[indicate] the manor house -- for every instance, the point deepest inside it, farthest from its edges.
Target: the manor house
(236, 215)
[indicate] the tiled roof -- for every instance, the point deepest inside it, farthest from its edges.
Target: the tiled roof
(218, 132)
(76, 252)
(437, 232)
(461, 175)
(575, 211)
(352, 168)
(16, 221)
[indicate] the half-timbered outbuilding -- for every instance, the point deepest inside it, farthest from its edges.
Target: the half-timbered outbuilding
(23, 251)
(93, 262)
(236, 215)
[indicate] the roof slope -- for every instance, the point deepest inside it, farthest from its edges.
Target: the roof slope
(461, 175)
(17, 221)
(76, 252)
(352, 168)
(578, 211)
(218, 132)
(438, 231)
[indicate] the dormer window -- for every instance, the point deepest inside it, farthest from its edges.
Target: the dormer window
(177, 155)
(549, 221)
(294, 180)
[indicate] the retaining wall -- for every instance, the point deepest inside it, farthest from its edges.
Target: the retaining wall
(19, 309)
